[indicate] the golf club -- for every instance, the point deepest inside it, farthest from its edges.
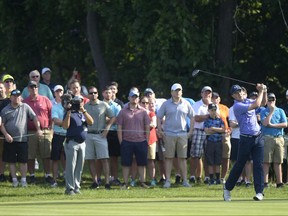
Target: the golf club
(196, 72)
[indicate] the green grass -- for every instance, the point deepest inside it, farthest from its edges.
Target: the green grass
(40, 199)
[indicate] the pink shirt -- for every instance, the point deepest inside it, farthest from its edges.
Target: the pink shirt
(42, 107)
(133, 123)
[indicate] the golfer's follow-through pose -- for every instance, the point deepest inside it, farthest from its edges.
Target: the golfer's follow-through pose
(250, 140)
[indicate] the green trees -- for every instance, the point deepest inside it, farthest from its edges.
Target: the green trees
(147, 43)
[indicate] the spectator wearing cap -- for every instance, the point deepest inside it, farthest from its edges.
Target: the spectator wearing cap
(96, 143)
(133, 133)
(15, 117)
(224, 115)
(75, 122)
(199, 137)
(43, 90)
(250, 140)
(9, 84)
(4, 101)
(46, 78)
(174, 132)
(59, 134)
(149, 93)
(273, 121)
(284, 106)
(114, 88)
(42, 106)
(214, 128)
(76, 89)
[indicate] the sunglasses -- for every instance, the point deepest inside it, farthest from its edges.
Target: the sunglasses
(8, 81)
(93, 93)
(144, 102)
(272, 99)
(32, 87)
(35, 76)
(59, 90)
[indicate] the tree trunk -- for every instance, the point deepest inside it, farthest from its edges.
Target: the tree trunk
(224, 54)
(94, 41)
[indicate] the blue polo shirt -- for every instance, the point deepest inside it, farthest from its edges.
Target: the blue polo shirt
(58, 113)
(278, 116)
(78, 127)
(247, 120)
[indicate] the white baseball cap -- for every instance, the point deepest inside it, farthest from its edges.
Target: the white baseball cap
(287, 93)
(57, 87)
(45, 69)
(176, 86)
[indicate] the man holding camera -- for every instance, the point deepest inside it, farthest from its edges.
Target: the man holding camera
(75, 122)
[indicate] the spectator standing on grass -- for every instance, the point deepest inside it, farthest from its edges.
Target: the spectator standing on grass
(59, 134)
(75, 122)
(4, 101)
(250, 140)
(43, 90)
(112, 138)
(39, 146)
(226, 150)
(133, 133)
(174, 132)
(15, 118)
(152, 139)
(199, 137)
(96, 142)
(273, 121)
(214, 128)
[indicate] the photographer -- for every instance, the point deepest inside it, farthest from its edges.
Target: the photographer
(75, 121)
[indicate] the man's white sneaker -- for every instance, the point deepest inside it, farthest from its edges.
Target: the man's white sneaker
(226, 195)
(24, 184)
(15, 183)
(167, 184)
(258, 197)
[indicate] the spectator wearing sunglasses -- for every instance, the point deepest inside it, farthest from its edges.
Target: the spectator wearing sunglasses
(9, 84)
(273, 123)
(43, 90)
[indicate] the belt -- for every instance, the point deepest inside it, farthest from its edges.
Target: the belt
(95, 132)
(46, 128)
(276, 136)
(199, 129)
(60, 134)
(250, 136)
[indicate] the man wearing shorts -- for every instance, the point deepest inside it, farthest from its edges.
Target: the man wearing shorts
(14, 127)
(199, 137)
(96, 143)
(273, 121)
(133, 134)
(39, 146)
(174, 131)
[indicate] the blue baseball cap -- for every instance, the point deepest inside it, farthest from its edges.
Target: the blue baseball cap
(234, 89)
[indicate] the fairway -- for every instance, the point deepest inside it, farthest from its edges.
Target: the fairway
(147, 206)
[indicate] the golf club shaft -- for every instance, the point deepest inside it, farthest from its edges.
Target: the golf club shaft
(228, 77)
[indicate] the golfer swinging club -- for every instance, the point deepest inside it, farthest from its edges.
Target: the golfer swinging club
(250, 140)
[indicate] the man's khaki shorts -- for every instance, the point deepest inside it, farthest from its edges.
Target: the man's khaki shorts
(39, 146)
(273, 149)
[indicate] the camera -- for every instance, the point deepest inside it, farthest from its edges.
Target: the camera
(70, 102)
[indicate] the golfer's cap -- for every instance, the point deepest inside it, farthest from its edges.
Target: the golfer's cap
(33, 83)
(176, 86)
(148, 90)
(16, 92)
(206, 88)
(45, 69)
(6, 77)
(133, 93)
(57, 87)
(234, 89)
(212, 106)
(271, 95)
